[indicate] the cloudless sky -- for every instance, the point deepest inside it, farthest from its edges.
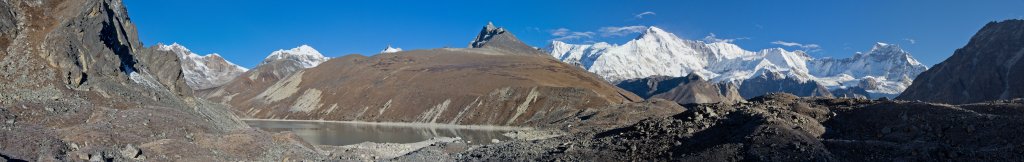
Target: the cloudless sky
(246, 31)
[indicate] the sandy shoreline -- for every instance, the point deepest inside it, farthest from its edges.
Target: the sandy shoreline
(400, 124)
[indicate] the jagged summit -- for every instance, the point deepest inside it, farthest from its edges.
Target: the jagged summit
(306, 55)
(493, 37)
(890, 50)
(654, 32)
(390, 49)
(206, 71)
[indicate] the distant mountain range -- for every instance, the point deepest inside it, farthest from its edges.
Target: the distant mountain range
(886, 70)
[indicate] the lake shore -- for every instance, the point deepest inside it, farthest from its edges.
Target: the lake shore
(401, 124)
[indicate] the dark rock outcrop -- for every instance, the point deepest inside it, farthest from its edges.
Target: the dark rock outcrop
(76, 84)
(684, 90)
(783, 127)
(989, 67)
(852, 92)
(498, 38)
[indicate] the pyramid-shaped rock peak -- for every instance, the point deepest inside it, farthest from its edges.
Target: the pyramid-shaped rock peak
(498, 38)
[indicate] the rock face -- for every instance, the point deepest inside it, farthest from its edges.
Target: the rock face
(498, 38)
(656, 52)
(989, 67)
(89, 48)
(76, 84)
(203, 72)
(480, 86)
(683, 90)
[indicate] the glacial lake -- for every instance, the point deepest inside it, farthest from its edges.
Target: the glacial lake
(347, 133)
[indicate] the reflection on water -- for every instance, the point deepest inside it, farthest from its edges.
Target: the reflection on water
(337, 134)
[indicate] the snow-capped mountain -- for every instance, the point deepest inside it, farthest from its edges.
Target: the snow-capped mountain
(390, 49)
(203, 72)
(885, 69)
(304, 55)
(656, 52)
(659, 53)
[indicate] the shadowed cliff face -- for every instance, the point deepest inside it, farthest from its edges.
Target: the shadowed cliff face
(86, 46)
(76, 84)
(989, 67)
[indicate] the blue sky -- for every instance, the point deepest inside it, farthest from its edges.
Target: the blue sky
(246, 31)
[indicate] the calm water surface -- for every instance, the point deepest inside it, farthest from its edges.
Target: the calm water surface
(338, 134)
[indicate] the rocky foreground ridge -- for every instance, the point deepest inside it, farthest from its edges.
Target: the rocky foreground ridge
(776, 127)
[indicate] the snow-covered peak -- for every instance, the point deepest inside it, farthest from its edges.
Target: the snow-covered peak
(304, 54)
(656, 34)
(184, 54)
(887, 66)
(655, 30)
(887, 48)
(656, 52)
(203, 71)
(175, 47)
(390, 49)
(303, 50)
(891, 52)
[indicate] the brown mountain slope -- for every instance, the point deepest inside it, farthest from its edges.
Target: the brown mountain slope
(252, 82)
(456, 86)
(989, 67)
